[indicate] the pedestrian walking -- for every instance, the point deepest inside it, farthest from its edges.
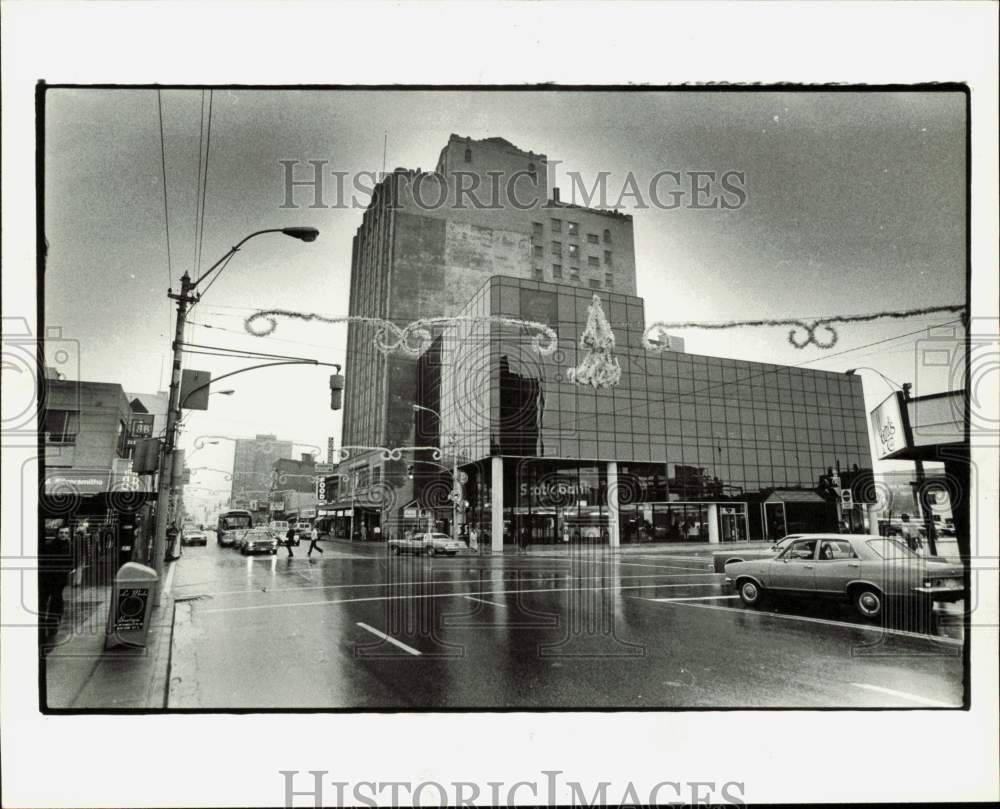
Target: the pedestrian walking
(522, 539)
(314, 541)
(289, 537)
(55, 565)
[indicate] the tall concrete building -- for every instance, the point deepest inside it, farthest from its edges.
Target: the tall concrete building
(429, 241)
(253, 462)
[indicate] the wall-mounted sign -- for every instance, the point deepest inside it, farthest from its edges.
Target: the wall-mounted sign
(890, 428)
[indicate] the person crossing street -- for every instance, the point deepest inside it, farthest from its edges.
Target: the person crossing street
(288, 540)
(314, 541)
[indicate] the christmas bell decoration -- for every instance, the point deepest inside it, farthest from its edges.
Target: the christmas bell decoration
(599, 367)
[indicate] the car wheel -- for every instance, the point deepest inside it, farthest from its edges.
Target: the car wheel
(751, 593)
(868, 602)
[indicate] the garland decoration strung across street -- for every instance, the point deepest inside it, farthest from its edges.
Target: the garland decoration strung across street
(652, 338)
(599, 367)
(413, 338)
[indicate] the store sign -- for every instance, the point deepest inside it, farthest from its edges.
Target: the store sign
(140, 428)
(889, 427)
(554, 490)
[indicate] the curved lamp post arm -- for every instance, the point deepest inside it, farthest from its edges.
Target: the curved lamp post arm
(301, 233)
(190, 393)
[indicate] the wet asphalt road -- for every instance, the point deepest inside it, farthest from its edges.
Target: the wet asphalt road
(356, 629)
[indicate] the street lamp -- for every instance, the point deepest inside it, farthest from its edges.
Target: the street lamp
(184, 298)
(457, 495)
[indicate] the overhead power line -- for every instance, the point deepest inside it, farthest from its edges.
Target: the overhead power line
(163, 166)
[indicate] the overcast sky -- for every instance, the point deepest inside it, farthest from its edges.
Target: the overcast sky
(855, 203)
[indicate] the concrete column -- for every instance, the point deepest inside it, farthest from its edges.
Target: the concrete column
(613, 529)
(713, 524)
(496, 489)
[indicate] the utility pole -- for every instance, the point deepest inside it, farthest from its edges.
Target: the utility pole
(165, 477)
(918, 490)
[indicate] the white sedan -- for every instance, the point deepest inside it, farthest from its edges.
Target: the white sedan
(429, 543)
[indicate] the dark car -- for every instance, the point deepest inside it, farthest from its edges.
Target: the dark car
(258, 540)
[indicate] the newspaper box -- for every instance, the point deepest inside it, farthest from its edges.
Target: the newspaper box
(131, 602)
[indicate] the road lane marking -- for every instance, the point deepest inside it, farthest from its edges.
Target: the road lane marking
(618, 561)
(692, 598)
(440, 581)
(391, 639)
(484, 601)
(443, 595)
(904, 695)
(863, 627)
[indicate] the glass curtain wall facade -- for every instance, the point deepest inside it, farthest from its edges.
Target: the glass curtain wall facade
(699, 442)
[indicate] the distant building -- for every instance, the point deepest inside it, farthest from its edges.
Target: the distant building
(253, 462)
(293, 494)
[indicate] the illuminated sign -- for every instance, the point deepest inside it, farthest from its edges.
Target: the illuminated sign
(889, 427)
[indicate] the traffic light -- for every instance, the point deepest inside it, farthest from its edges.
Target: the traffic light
(336, 391)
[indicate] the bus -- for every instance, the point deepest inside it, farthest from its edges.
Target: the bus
(231, 526)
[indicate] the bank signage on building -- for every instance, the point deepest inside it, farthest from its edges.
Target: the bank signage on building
(890, 428)
(554, 490)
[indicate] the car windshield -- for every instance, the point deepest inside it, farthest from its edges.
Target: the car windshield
(891, 549)
(235, 523)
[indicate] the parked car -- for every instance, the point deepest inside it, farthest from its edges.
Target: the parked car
(866, 570)
(429, 543)
(258, 540)
(192, 534)
(741, 554)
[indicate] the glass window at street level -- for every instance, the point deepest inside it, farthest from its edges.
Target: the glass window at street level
(592, 238)
(573, 228)
(61, 426)
(557, 225)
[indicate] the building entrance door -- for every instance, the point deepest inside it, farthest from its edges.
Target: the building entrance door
(774, 521)
(732, 525)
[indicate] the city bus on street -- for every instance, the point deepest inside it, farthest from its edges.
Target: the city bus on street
(231, 527)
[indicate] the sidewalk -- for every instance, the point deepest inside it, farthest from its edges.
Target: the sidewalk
(80, 674)
(562, 549)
